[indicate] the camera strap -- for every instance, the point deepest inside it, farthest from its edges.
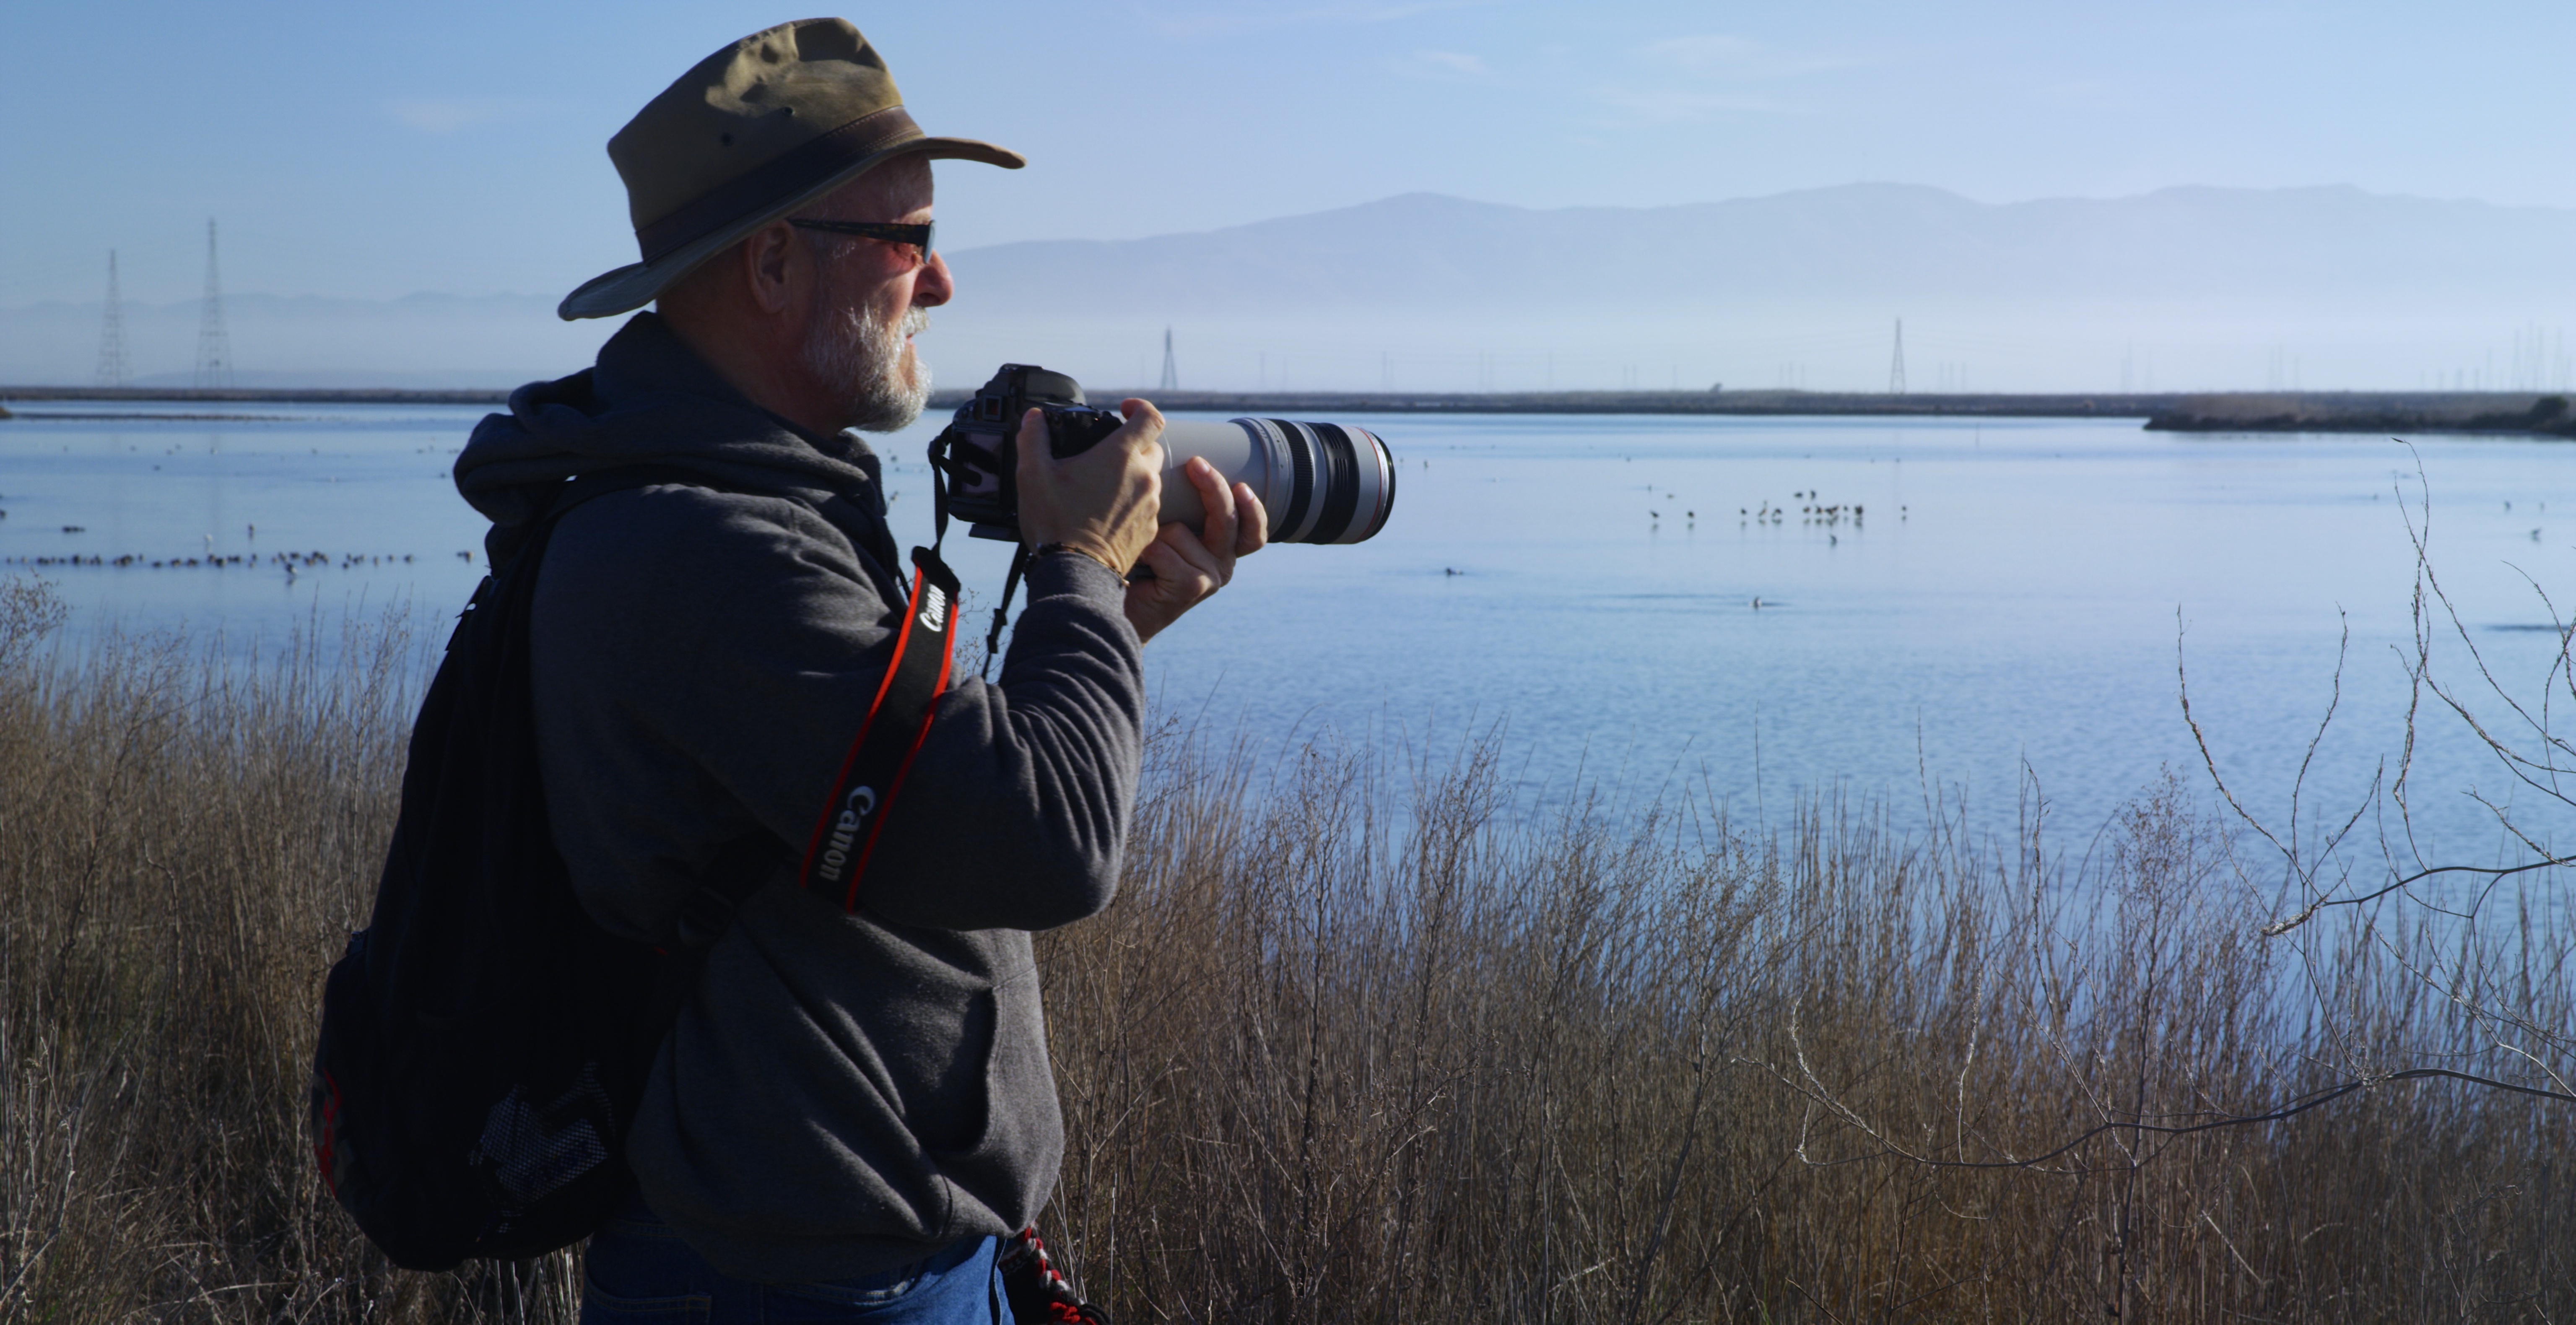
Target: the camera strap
(1020, 557)
(898, 721)
(942, 463)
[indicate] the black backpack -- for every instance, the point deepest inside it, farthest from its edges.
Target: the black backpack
(484, 1042)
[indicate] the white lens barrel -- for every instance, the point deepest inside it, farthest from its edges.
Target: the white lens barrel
(1319, 482)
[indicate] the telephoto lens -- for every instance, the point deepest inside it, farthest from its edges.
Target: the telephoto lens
(1319, 482)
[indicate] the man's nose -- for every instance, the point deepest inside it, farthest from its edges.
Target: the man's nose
(934, 285)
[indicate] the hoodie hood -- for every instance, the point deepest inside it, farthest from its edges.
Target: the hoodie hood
(648, 401)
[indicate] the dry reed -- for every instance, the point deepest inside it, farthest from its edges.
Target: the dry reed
(1323, 1066)
(1356, 1045)
(184, 843)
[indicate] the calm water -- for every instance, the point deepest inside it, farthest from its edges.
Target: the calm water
(2008, 597)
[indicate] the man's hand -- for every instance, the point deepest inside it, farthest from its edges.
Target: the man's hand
(1188, 567)
(1101, 503)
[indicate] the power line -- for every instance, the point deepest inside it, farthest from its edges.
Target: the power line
(1171, 372)
(1896, 366)
(214, 345)
(113, 370)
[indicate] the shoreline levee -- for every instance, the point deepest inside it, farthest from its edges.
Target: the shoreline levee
(2523, 413)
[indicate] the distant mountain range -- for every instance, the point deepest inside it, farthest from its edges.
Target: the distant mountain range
(1884, 243)
(2186, 288)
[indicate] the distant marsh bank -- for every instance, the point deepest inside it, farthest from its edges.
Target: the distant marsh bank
(1327, 1060)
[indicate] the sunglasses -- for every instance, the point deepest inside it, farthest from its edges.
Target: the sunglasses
(892, 232)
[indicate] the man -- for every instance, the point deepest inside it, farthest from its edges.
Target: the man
(854, 1104)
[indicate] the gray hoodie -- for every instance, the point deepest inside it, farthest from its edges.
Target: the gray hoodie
(844, 1092)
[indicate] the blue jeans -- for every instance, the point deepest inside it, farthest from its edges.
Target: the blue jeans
(639, 1271)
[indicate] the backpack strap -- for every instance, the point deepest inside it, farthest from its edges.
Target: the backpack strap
(741, 865)
(737, 871)
(574, 491)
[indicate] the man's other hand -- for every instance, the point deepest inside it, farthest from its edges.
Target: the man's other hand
(1101, 503)
(1190, 566)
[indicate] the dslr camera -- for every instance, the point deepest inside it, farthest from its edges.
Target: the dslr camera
(1319, 482)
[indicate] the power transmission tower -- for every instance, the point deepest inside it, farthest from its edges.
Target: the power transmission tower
(214, 345)
(113, 370)
(1896, 366)
(1171, 372)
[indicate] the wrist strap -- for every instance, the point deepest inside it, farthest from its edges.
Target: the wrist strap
(1021, 556)
(1021, 560)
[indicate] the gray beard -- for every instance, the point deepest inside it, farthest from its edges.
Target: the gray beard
(862, 358)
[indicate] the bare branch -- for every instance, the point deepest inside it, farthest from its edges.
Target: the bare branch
(2280, 927)
(2133, 1126)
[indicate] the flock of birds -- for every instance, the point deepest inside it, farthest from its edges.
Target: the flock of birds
(292, 563)
(1813, 513)
(1810, 514)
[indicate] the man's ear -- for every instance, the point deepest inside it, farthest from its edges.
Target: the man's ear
(774, 265)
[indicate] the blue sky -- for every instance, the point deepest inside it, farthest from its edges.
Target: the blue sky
(371, 150)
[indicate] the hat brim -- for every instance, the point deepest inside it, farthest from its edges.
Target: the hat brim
(632, 286)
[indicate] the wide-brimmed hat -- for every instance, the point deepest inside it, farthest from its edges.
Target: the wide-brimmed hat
(754, 132)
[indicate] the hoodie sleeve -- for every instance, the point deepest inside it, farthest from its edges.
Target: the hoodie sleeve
(690, 642)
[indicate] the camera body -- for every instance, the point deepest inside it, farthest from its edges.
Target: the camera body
(1318, 482)
(979, 451)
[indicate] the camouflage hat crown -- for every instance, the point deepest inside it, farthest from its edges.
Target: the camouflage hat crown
(749, 135)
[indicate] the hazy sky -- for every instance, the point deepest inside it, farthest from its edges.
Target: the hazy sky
(372, 150)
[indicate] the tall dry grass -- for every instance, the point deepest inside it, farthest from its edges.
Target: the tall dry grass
(1325, 1065)
(1329, 1059)
(184, 843)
